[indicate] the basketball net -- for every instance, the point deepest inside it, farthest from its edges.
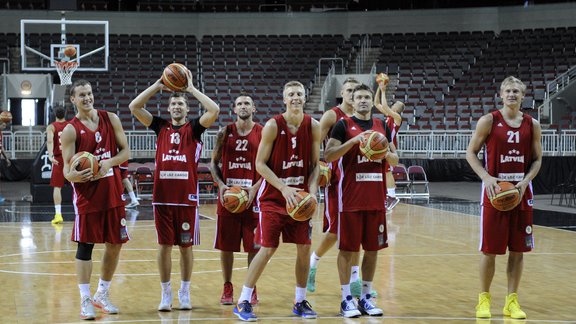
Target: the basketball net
(65, 70)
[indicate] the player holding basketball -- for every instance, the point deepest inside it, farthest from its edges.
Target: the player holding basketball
(513, 153)
(53, 132)
(175, 194)
(287, 159)
(236, 147)
(328, 120)
(393, 121)
(362, 217)
(100, 216)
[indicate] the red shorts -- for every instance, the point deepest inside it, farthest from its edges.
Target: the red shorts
(57, 179)
(330, 224)
(272, 224)
(177, 225)
(107, 226)
(233, 228)
(501, 230)
(363, 227)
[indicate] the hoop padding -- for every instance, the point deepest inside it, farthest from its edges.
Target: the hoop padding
(65, 70)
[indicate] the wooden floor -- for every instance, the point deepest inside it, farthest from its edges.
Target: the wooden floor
(428, 275)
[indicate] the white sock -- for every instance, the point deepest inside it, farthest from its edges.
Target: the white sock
(58, 209)
(366, 288)
(132, 196)
(103, 285)
(185, 286)
(84, 290)
(355, 273)
(391, 192)
(314, 259)
(246, 294)
(166, 286)
(300, 294)
(345, 291)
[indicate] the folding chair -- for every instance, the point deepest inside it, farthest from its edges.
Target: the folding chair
(144, 181)
(402, 181)
(418, 178)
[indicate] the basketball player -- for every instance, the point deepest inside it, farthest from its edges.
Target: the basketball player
(100, 216)
(128, 186)
(393, 121)
(328, 120)
(175, 194)
(3, 154)
(513, 153)
(362, 218)
(236, 147)
(53, 132)
(287, 159)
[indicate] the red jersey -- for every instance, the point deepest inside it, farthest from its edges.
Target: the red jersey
(393, 129)
(362, 185)
(290, 161)
(340, 114)
(58, 128)
(239, 158)
(177, 155)
(508, 154)
(105, 193)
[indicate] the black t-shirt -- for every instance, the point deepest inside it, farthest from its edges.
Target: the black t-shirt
(339, 130)
(196, 126)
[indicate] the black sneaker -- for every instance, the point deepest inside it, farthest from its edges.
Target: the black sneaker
(304, 310)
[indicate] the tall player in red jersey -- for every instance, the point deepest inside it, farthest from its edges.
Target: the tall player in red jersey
(53, 132)
(393, 121)
(362, 188)
(175, 194)
(236, 148)
(287, 159)
(330, 226)
(100, 216)
(513, 153)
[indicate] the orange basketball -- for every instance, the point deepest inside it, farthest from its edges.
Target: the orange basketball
(374, 145)
(506, 198)
(86, 161)
(235, 199)
(5, 117)
(175, 77)
(382, 78)
(304, 208)
(325, 174)
(70, 51)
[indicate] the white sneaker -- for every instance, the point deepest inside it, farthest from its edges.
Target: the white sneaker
(367, 307)
(86, 309)
(184, 298)
(166, 302)
(133, 204)
(102, 301)
(348, 308)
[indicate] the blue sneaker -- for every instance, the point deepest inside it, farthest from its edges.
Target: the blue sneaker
(365, 306)
(304, 310)
(348, 308)
(244, 312)
(311, 284)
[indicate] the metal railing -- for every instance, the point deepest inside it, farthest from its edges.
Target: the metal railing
(560, 82)
(365, 45)
(424, 144)
(326, 87)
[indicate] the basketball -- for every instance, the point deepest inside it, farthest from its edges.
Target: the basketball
(382, 78)
(374, 145)
(506, 198)
(5, 117)
(235, 199)
(325, 174)
(70, 51)
(304, 208)
(175, 77)
(86, 161)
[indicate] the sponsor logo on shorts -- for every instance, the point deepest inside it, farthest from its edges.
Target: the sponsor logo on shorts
(530, 202)
(381, 228)
(193, 197)
(528, 240)
(123, 222)
(185, 238)
(185, 226)
(123, 233)
(381, 240)
(528, 229)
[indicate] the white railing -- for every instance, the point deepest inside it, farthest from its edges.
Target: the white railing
(326, 87)
(425, 144)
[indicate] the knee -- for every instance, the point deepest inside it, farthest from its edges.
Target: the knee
(84, 251)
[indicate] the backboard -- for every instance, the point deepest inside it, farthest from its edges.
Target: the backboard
(43, 41)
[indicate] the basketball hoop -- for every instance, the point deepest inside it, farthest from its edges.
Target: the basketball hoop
(65, 70)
